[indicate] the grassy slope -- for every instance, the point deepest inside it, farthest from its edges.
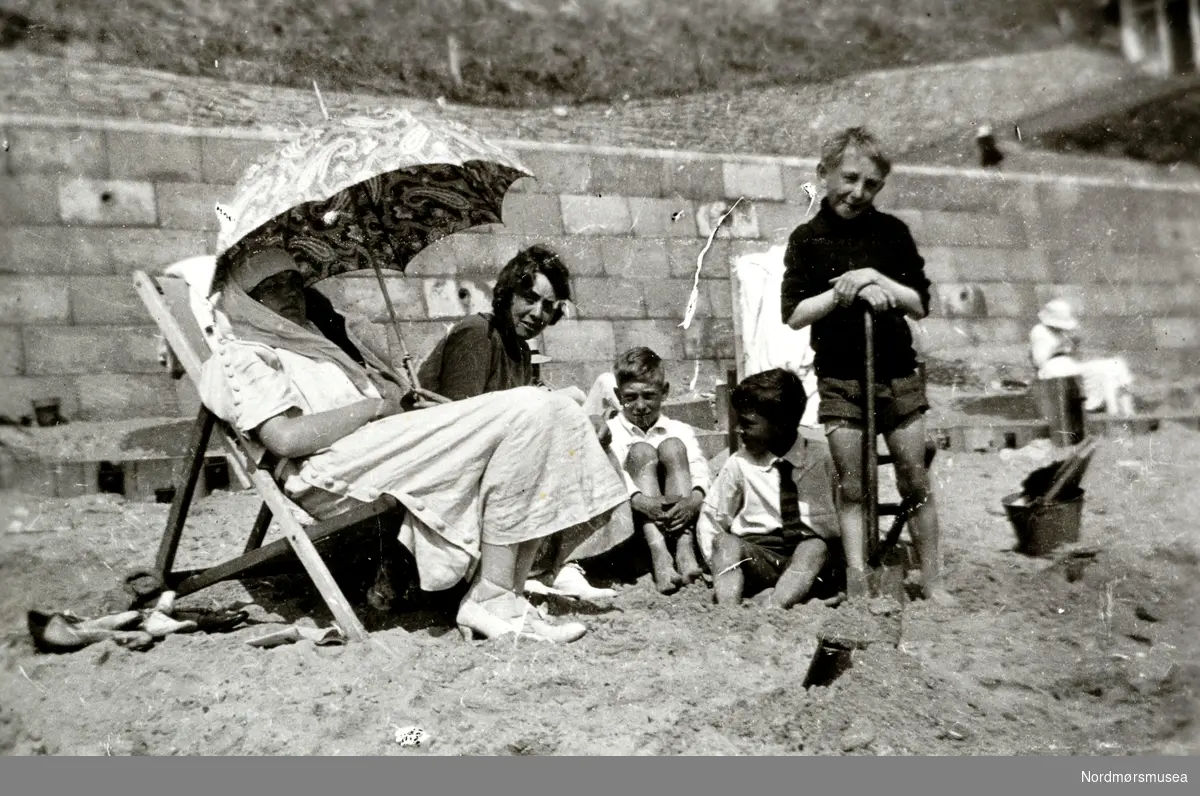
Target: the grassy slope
(533, 52)
(1162, 132)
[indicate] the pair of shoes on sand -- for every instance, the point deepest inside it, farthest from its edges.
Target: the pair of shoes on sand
(137, 630)
(67, 633)
(570, 582)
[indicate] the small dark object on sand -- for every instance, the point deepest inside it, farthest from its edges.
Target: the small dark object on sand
(989, 154)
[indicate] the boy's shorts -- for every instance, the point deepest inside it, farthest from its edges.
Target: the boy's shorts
(896, 402)
(767, 556)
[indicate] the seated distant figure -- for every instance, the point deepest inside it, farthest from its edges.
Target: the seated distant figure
(1054, 349)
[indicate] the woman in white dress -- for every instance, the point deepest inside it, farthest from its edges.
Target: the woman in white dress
(1054, 346)
(484, 480)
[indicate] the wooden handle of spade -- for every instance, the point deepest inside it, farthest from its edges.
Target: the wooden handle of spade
(1078, 461)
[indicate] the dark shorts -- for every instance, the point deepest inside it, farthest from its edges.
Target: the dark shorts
(896, 402)
(767, 556)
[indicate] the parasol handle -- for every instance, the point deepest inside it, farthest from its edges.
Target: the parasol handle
(406, 357)
(421, 392)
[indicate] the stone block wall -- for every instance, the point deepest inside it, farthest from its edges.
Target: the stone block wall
(82, 205)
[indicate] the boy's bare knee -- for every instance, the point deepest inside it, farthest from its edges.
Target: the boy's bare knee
(913, 484)
(641, 455)
(851, 490)
(673, 451)
(811, 554)
(918, 495)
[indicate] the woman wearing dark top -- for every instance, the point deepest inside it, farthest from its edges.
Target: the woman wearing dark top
(488, 352)
(851, 255)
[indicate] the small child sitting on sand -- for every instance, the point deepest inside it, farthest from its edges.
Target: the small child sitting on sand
(771, 514)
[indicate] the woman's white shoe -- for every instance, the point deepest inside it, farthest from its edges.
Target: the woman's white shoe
(572, 582)
(475, 621)
(489, 611)
(565, 633)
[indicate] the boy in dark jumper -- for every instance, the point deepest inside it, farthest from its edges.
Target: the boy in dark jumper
(850, 255)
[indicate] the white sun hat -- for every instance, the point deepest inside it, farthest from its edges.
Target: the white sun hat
(1058, 314)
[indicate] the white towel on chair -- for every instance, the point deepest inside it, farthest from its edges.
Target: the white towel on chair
(198, 273)
(767, 342)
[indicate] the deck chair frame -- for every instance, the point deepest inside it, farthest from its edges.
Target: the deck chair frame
(166, 298)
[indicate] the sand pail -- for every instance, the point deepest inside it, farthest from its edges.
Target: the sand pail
(1040, 529)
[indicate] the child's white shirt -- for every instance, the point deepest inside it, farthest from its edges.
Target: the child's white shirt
(745, 497)
(625, 434)
(1052, 352)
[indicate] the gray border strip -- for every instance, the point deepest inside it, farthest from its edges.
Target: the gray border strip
(577, 776)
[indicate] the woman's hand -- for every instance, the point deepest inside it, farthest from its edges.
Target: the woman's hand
(847, 286)
(879, 299)
(394, 399)
(414, 401)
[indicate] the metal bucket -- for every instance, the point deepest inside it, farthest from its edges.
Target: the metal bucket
(1044, 528)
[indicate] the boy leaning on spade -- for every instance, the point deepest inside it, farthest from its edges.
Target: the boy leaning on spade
(849, 256)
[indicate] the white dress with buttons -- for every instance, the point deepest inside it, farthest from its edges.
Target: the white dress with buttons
(503, 468)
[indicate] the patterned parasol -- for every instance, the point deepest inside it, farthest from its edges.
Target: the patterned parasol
(371, 189)
(368, 191)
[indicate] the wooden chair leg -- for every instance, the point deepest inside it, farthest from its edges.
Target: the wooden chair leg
(730, 415)
(177, 518)
(261, 523)
(343, 614)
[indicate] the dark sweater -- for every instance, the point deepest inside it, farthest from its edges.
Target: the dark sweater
(828, 246)
(474, 358)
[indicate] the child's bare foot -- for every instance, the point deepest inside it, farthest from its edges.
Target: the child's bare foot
(858, 587)
(666, 579)
(939, 596)
(685, 559)
(689, 575)
(775, 601)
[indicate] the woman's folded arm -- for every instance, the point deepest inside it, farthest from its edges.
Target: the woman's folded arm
(291, 435)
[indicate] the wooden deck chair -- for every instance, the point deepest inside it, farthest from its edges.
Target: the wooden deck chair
(167, 300)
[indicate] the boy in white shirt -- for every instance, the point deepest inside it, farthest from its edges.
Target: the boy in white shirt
(771, 515)
(664, 468)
